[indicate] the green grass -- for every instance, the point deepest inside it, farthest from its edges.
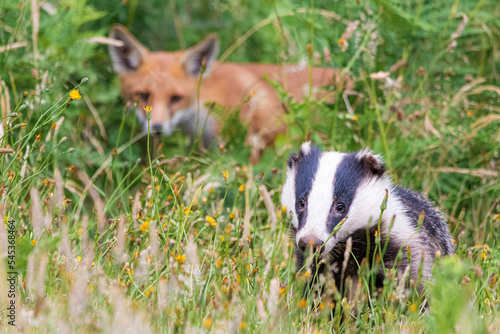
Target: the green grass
(112, 231)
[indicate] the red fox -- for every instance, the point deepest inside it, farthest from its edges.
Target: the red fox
(168, 82)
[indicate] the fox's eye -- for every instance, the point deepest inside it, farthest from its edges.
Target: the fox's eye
(144, 96)
(175, 98)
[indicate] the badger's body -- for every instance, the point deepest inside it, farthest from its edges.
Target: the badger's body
(323, 188)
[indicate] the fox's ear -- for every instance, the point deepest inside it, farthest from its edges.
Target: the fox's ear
(207, 50)
(129, 56)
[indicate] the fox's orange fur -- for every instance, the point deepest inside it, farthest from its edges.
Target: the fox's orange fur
(168, 81)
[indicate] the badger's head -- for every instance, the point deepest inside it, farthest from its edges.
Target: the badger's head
(322, 188)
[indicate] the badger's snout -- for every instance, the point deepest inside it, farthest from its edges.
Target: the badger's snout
(310, 241)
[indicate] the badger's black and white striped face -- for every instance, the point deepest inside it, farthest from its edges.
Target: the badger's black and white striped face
(322, 188)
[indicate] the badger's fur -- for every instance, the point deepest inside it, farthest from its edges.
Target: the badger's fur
(323, 188)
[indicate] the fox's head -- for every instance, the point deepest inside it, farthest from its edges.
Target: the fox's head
(166, 81)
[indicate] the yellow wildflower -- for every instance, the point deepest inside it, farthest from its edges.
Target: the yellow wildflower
(341, 41)
(242, 325)
(207, 323)
(33, 242)
(413, 308)
(493, 281)
(355, 118)
(242, 188)
(282, 291)
(232, 215)
(302, 303)
(148, 291)
(345, 303)
(79, 259)
(145, 226)
(211, 221)
(469, 113)
(226, 175)
(180, 258)
(75, 94)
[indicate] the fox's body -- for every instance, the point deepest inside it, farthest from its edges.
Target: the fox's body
(168, 82)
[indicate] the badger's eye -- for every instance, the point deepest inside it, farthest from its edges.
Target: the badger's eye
(340, 207)
(175, 98)
(302, 203)
(144, 96)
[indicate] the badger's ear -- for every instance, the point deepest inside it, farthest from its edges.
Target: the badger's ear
(292, 161)
(128, 53)
(372, 162)
(305, 148)
(307, 151)
(207, 50)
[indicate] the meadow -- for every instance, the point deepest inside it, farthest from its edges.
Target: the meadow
(117, 231)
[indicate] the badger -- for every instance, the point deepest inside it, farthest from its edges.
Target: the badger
(325, 189)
